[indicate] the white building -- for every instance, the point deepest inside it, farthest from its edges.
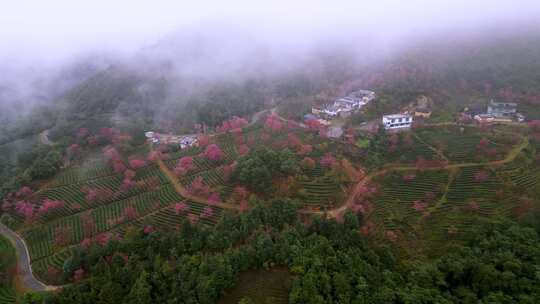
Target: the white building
(346, 105)
(397, 121)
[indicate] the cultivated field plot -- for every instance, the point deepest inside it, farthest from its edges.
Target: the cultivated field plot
(409, 150)
(404, 199)
(97, 205)
(317, 188)
(436, 207)
(467, 144)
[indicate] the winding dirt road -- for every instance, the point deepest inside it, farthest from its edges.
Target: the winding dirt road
(24, 269)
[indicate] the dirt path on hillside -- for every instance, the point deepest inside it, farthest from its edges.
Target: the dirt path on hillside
(180, 189)
(24, 267)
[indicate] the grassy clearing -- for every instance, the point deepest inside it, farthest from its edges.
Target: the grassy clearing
(261, 287)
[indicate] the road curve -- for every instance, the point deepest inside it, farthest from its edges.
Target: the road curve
(24, 269)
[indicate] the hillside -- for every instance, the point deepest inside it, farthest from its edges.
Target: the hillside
(263, 205)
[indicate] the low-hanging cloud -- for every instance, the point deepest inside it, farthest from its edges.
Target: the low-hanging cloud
(51, 30)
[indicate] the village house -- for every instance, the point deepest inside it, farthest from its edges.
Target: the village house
(499, 112)
(397, 121)
(345, 106)
(502, 109)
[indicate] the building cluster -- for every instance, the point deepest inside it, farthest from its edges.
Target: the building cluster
(183, 141)
(344, 106)
(499, 112)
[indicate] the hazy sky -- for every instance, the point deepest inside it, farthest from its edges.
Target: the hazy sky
(57, 28)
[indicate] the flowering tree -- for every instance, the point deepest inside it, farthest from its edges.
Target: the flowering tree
(294, 140)
(214, 198)
(118, 166)
(154, 156)
(86, 243)
(185, 164)
(328, 160)
(207, 212)
(78, 275)
(180, 208)
(273, 123)
(232, 124)
(203, 140)
(111, 153)
(193, 218)
(88, 223)
(308, 163)
(48, 205)
(419, 206)
(198, 187)
(93, 140)
(213, 152)
(305, 149)
(127, 184)
(149, 229)
(25, 209)
(409, 177)
(82, 133)
(73, 151)
(129, 174)
(130, 213)
(91, 195)
(481, 176)
(243, 150)
(24, 192)
(136, 163)
(240, 193)
(313, 124)
(103, 239)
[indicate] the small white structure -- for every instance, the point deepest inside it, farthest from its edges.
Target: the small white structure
(188, 141)
(397, 121)
(149, 134)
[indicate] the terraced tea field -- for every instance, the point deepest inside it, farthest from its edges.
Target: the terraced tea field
(149, 201)
(461, 144)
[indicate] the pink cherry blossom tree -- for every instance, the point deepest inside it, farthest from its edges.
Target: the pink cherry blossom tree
(214, 198)
(273, 123)
(207, 212)
(328, 160)
(136, 163)
(47, 205)
(308, 163)
(203, 140)
(180, 208)
(213, 152)
(130, 213)
(243, 150)
(185, 164)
